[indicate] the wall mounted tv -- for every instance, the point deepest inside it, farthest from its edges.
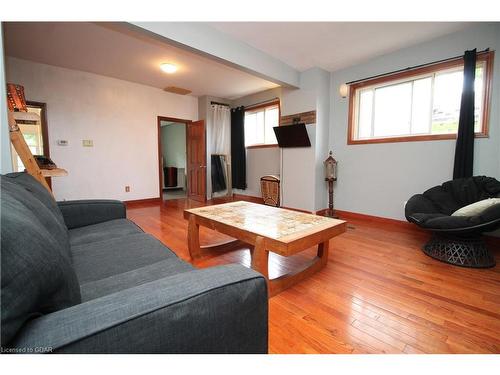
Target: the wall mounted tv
(292, 136)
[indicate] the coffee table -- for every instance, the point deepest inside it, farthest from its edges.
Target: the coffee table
(264, 229)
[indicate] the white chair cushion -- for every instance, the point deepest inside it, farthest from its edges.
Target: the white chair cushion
(476, 208)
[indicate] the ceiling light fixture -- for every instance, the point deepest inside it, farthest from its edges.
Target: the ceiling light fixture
(168, 68)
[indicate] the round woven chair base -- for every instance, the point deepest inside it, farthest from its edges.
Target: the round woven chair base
(462, 252)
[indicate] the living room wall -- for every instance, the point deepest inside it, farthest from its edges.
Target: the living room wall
(6, 162)
(377, 179)
(302, 176)
(119, 116)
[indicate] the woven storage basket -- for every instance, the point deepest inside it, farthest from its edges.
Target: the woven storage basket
(270, 188)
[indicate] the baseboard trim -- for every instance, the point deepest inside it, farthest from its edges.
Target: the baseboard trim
(492, 241)
(322, 212)
(346, 215)
(298, 210)
(139, 201)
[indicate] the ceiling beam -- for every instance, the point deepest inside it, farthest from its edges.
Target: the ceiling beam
(209, 42)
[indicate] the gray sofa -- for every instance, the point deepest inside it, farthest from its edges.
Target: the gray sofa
(78, 277)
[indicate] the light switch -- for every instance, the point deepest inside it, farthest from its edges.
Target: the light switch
(62, 142)
(88, 143)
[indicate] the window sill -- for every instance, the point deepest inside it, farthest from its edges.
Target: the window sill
(413, 138)
(261, 146)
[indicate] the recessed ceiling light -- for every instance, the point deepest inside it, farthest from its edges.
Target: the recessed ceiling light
(168, 68)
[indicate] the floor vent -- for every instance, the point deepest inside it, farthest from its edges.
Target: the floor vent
(177, 90)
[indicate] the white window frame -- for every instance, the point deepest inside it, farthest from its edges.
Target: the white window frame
(485, 59)
(263, 108)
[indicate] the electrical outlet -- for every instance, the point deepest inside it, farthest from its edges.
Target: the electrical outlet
(127, 189)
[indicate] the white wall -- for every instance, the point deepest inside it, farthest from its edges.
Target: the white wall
(298, 166)
(260, 162)
(298, 174)
(377, 179)
(303, 171)
(119, 116)
(302, 176)
(315, 88)
(6, 163)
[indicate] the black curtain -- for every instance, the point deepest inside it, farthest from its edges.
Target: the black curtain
(218, 179)
(464, 149)
(238, 152)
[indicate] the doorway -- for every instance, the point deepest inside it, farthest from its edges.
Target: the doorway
(182, 159)
(173, 159)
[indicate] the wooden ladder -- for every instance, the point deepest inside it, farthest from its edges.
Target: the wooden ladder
(22, 149)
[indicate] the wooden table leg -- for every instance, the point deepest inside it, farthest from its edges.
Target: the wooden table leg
(323, 252)
(193, 238)
(260, 257)
(286, 281)
(196, 251)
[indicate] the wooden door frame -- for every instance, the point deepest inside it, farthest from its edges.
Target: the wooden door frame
(191, 126)
(158, 121)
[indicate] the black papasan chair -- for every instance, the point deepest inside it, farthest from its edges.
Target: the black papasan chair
(457, 239)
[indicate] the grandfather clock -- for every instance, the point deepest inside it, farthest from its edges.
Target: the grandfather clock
(330, 177)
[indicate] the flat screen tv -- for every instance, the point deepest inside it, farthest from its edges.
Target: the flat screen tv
(292, 136)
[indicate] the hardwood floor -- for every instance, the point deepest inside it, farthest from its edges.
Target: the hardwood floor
(378, 294)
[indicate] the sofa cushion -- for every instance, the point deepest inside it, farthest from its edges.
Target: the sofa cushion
(445, 222)
(454, 194)
(133, 278)
(99, 260)
(38, 191)
(36, 273)
(31, 194)
(476, 208)
(102, 231)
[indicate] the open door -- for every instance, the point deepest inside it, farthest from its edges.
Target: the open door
(196, 161)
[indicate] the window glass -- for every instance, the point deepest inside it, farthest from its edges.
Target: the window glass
(426, 103)
(392, 110)
(259, 125)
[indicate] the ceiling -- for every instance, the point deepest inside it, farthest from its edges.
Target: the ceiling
(112, 51)
(333, 45)
(117, 51)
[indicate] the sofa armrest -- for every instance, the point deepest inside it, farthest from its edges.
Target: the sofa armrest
(215, 310)
(92, 211)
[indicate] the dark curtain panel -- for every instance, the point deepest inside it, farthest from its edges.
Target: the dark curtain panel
(238, 152)
(464, 149)
(218, 179)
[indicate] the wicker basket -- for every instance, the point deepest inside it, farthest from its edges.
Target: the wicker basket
(270, 188)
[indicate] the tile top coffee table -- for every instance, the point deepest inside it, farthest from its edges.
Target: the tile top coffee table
(264, 229)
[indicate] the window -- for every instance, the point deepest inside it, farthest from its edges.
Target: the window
(421, 104)
(32, 133)
(259, 123)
